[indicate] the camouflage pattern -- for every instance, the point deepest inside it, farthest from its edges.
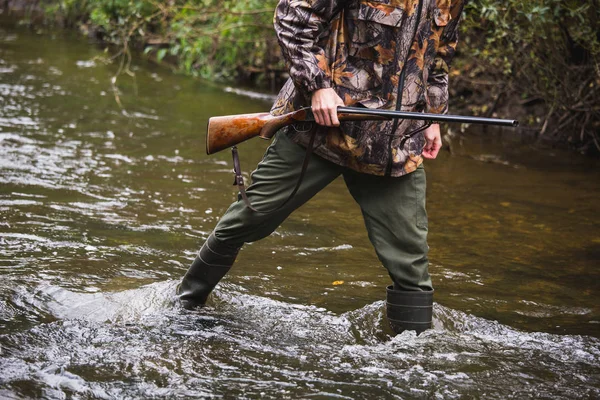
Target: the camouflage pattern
(365, 50)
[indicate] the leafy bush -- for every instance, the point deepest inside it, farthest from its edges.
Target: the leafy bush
(221, 38)
(210, 38)
(547, 51)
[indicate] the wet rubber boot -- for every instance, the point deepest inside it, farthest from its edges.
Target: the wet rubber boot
(211, 264)
(409, 310)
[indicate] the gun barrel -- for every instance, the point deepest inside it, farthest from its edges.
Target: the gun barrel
(429, 117)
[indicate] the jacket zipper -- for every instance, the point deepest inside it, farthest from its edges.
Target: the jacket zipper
(388, 170)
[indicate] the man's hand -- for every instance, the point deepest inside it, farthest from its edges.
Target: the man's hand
(324, 104)
(433, 142)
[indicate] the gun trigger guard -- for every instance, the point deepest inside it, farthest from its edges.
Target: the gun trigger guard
(302, 127)
(408, 135)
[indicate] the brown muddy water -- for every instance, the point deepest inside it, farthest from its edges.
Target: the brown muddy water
(103, 208)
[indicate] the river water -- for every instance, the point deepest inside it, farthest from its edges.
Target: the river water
(103, 207)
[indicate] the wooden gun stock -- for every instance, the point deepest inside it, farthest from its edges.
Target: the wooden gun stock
(226, 131)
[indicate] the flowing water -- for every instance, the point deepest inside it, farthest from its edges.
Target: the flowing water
(103, 207)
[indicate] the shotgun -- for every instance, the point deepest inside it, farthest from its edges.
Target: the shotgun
(229, 130)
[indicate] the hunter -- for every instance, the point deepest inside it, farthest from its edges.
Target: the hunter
(385, 54)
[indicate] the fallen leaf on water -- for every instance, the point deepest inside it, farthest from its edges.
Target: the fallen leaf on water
(335, 283)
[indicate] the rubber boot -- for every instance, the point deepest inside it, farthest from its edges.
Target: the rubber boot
(409, 310)
(211, 264)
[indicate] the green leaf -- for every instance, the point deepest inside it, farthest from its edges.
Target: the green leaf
(161, 54)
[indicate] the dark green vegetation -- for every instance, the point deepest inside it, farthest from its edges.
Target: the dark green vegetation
(546, 52)
(213, 39)
(536, 60)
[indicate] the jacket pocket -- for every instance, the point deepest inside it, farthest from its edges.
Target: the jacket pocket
(371, 24)
(381, 12)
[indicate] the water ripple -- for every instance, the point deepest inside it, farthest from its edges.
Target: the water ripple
(251, 345)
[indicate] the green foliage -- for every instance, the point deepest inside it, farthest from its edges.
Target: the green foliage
(543, 49)
(70, 11)
(217, 38)
(536, 29)
(209, 38)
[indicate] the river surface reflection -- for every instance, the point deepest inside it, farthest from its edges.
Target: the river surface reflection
(102, 208)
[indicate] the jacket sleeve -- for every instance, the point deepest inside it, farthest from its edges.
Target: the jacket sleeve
(447, 39)
(300, 26)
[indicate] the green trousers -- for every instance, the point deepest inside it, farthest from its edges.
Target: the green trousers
(393, 208)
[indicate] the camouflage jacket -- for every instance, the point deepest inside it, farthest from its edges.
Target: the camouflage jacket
(369, 51)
